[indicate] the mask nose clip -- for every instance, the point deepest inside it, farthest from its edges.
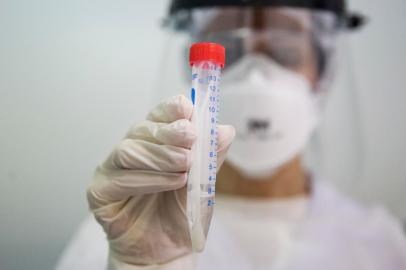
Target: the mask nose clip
(257, 76)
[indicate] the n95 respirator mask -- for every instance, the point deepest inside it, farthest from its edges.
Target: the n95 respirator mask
(273, 110)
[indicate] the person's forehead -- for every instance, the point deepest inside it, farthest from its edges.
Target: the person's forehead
(230, 18)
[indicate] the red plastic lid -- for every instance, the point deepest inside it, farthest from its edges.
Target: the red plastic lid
(207, 51)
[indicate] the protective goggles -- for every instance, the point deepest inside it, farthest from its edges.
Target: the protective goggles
(296, 38)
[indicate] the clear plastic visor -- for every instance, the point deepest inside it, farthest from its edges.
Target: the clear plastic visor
(299, 39)
(306, 41)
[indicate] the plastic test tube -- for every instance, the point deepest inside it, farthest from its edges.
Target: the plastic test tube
(206, 60)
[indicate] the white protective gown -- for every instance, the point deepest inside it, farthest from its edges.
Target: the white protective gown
(325, 231)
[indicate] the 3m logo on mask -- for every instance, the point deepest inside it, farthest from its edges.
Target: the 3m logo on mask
(258, 125)
(259, 128)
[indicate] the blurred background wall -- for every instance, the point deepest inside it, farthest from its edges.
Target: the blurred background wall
(74, 75)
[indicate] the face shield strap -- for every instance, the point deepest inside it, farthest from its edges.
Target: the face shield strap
(338, 7)
(180, 9)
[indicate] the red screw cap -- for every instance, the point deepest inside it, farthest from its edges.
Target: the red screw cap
(207, 51)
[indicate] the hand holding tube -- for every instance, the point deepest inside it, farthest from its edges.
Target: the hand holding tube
(138, 194)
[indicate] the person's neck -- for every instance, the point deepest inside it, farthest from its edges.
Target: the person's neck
(289, 180)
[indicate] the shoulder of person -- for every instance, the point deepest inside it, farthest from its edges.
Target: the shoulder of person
(361, 221)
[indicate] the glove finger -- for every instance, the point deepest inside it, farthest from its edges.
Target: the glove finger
(179, 133)
(143, 155)
(226, 134)
(115, 185)
(172, 109)
(112, 184)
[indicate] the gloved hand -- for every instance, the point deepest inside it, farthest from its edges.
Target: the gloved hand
(139, 195)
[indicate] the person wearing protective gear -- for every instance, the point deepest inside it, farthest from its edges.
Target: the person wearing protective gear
(271, 212)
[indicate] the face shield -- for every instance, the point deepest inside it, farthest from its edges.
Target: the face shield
(297, 40)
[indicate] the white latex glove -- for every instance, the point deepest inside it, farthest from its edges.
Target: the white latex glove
(139, 195)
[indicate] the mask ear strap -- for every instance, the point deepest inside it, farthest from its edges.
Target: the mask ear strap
(320, 58)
